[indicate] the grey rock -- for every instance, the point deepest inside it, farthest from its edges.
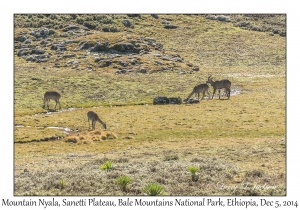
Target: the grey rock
(27, 41)
(123, 63)
(158, 62)
(104, 63)
(97, 59)
(51, 31)
(71, 27)
(125, 47)
(223, 18)
(283, 33)
(58, 47)
(24, 51)
(99, 47)
(155, 16)
(133, 61)
(169, 26)
(165, 100)
(69, 56)
(38, 51)
(21, 38)
(44, 32)
(127, 23)
(133, 15)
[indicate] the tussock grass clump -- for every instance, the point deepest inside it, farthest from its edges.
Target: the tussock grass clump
(106, 166)
(153, 189)
(193, 170)
(71, 139)
(255, 173)
(123, 182)
(86, 137)
(171, 157)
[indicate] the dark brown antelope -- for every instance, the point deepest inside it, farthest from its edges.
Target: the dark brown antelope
(218, 85)
(94, 118)
(52, 95)
(201, 88)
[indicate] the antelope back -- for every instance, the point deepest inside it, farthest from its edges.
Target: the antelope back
(92, 115)
(52, 95)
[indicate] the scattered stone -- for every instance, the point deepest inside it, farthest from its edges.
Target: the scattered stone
(155, 16)
(133, 61)
(158, 62)
(177, 59)
(223, 18)
(104, 63)
(44, 32)
(218, 17)
(283, 33)
(21, 38)
(86, 45)
(166, 100)
(71, 27)
(196, 68)
(127, 23)
(191, 101)
(125, 47)
(71, 62)
(58, 47)
(123, 63)
(128, 137)
(27, 41)
(69, 56)
(97, 59)
(99, 47)
(24, 51)
(169, 26)
(133, 15)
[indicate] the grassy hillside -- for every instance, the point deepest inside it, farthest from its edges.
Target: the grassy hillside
(97, 63)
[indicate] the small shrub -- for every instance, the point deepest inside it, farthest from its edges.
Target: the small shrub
(62, 183)
(153, 189)
(123, 182)
(171, 157)
(255, 173)
(106, 166)
(193, 170)
(72, 139)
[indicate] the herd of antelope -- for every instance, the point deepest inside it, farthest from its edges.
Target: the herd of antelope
(201, 88)
(217, 85)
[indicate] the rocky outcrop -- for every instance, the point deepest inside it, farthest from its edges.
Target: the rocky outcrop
(165, 100)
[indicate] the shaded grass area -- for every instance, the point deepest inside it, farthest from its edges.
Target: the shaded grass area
(218, 175)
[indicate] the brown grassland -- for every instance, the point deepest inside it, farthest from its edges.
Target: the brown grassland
(238, 144)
